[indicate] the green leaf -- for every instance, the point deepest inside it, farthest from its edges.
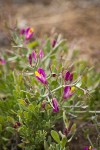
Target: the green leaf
(31, 107)
(33, 44)
(0, 127)
(10, 119)
(22, 102)
(63, 142)
(55, 136)
(10, 129)
(48, 46)
(5, 139)
(79, 84)
(45, 145)
(73, 129)
(13, 58)
(65, 119)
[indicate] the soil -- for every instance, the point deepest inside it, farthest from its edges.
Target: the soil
(77, 20)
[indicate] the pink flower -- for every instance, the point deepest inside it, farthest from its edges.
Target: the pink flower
(2, 62)
(41, 76)
(68, 92)
(27, 32)
(55, 105)
(43, 104)
(34, 56)
(41, 54)
(16, 125)
(89, 148)
(68, 76)
(22, 31)
(66, 131)
(30, 59)
(54, 43)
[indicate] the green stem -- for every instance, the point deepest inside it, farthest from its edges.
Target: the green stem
(92, 112)
(53, 50)
(61, 86)
(89, 140)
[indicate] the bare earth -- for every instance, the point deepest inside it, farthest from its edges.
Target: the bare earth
(77, 20)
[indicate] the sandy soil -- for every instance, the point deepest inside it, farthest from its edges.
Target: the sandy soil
(77, 20)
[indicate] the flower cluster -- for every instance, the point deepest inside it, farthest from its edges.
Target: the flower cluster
(28, 33)
(68, 90)
(40, 74)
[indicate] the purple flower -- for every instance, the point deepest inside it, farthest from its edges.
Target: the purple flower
(43, 104)
(22, 31)
(27, 32)
(55, 105)
(89, 148)
(66, 131)
(41, 54)
(86, 148)
(68, 92)
(18, 124)
(30, 59)
(54, 74)
(41, 76)
(68, 76)
(2, 62)
(34, 56)
(54, 43)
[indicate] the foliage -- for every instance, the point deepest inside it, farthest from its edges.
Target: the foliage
(33, 101)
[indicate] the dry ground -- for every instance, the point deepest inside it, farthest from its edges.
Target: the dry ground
(77, 20)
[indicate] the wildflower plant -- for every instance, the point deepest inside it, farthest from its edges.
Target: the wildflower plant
(40, 87)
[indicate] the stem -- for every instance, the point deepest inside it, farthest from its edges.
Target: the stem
(89, 140)
(61, 86)
(92, 112)
(75, 106)
(54, 49)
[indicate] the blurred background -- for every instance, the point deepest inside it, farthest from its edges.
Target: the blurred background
(77, 20)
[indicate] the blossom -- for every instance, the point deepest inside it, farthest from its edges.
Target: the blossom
(89, 148)
(86, 148)
(28, 32)
(41, 76)
(16, 125)
(22, 31)
(2, 62)
(55, 105)
(41, 54)
(66, 131)
(30, 59)
(54, 74)
(34, 56)
(68, 76)
(43, 104)
(54, 43)
(68, 92)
